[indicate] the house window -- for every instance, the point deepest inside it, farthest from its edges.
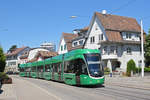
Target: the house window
(129, 51)
(105, 50)
(92, 39)
(65, 47)
(128, 35)
(96, 28)
(81, 42)
(61, 48)
(75, 44)
(101, 37)
(112, 49)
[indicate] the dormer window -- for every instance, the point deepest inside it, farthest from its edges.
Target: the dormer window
(75, 44)
(128, 35)
(81, 42)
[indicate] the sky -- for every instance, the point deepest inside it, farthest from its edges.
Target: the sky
(32, 22)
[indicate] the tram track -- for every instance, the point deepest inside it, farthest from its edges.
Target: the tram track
(123, 94)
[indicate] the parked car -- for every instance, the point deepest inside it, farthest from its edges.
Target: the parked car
(9, 72)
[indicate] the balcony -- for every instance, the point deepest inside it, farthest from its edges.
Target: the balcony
(109, 56)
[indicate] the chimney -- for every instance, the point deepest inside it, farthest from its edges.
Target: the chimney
(104, 12)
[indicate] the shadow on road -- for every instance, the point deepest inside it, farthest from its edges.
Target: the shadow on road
(92, 86)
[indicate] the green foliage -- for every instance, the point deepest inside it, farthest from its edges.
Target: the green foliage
(12, 48)
(147, 49)
(131, 67)
(3, 75)
(147, 69)
(2, 60)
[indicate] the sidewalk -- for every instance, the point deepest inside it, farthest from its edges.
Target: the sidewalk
(7, 92)
(24, 90)
(131, 82)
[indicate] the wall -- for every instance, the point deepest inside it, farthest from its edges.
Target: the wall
(62, 44)
(96, 30)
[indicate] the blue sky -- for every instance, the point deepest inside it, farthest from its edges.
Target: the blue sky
(31, 22)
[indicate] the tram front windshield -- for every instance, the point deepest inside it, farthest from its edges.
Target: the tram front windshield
(94, 66)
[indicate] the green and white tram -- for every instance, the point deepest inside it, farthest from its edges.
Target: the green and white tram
(77, 67)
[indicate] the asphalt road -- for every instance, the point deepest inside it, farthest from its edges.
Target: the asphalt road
(61, 91)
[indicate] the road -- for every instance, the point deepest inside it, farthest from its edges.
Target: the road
(38, 89)
(60, 91)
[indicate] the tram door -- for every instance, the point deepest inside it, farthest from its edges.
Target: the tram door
(59, 72)
(52, 72)
(78, 72)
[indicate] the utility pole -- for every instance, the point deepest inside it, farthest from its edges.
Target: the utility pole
(142, 50)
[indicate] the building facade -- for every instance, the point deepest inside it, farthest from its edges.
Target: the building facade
(49, 46)
(13, 58)
(117, 37)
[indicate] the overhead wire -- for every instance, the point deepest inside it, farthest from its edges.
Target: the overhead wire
(123, 6)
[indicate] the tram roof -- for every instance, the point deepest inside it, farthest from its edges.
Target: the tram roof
(79, 53)
(34, 63)
(28, 65)
(39, 63)
(22, 65)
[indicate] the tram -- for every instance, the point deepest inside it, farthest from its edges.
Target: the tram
(77, 67)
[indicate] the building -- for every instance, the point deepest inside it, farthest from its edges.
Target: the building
(117, 37)
(13, 58)
(36, 54)
(65, 44)
(49, 46)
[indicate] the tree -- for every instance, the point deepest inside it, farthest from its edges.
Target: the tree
(2, 60)
(12, 48)
(147, 49)
(131, 67)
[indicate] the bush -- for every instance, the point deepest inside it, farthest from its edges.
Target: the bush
(131, 67)
(147, 69)
(5, 78)
(3, 75)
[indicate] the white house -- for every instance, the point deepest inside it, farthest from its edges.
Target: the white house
(65, 44)
(117, 37)
(13, 58)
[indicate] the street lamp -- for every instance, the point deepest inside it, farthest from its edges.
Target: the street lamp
(73, 16)
(142, 50)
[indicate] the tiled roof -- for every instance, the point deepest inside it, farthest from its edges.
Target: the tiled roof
(114, 36)
(77, 47)
(114, 25)
(47, 54)
(16, 51)
(119, 23)
(33, 60)
(44, 55)
(68, 37)
(84, 29)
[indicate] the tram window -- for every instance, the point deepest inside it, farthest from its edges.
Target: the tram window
(33, 69)
(75, 66)
(40, 68)
(59, 67)
(21, 70)
(47, 68)
(55, 67)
